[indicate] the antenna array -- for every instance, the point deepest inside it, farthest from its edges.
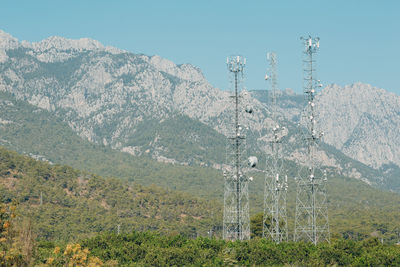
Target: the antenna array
(236, 195)
(275, 185)
(311, 219)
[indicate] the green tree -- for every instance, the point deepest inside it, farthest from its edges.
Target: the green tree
(256, 225)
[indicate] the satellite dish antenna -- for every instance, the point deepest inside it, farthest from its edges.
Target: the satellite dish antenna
(249, 109)
(252, 161)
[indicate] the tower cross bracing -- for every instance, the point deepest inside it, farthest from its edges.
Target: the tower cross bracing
(275, 184)
(311, 218)
(236, 224)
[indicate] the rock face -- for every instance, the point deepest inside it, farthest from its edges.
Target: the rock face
(120, 99)
(6, 42)
(363, 122)
(105, 94)
(360, 120)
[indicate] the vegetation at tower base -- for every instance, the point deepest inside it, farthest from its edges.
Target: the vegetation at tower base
(153, 249)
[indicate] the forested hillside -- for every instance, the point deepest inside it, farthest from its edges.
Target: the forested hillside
(75, 203)
(65, 204)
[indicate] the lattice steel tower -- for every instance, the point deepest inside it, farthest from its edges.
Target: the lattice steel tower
(236, 195)
(311, 219)
(275, 185)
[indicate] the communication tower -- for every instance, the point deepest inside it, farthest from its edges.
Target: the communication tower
(236, 224)
(275, 185)
(311, 219)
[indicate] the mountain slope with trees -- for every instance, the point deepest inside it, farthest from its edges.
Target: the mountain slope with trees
(62, 203)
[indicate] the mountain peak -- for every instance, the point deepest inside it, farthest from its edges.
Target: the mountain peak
(61, 43)
(54, 48)
(7, 41)
(183, 71)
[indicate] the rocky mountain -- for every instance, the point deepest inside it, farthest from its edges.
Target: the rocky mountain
(43, 135)
(147, 105)
(362, 121)
(107, 94)
(359, 120)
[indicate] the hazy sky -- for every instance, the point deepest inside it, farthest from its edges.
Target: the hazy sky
(360, 40)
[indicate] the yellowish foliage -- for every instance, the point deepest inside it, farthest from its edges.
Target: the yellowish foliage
(15, 243)
(73, 256)
(56, 250)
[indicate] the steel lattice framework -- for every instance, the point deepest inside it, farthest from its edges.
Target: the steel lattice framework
(236, 195)
(311, 219)
(275, 185)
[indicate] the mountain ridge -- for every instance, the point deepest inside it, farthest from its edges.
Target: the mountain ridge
(106, 96)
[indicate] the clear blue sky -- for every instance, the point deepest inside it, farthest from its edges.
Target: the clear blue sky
(360, 40)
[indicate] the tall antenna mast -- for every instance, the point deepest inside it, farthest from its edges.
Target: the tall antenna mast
(236, 195)
(275, 186)
(311, 220)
